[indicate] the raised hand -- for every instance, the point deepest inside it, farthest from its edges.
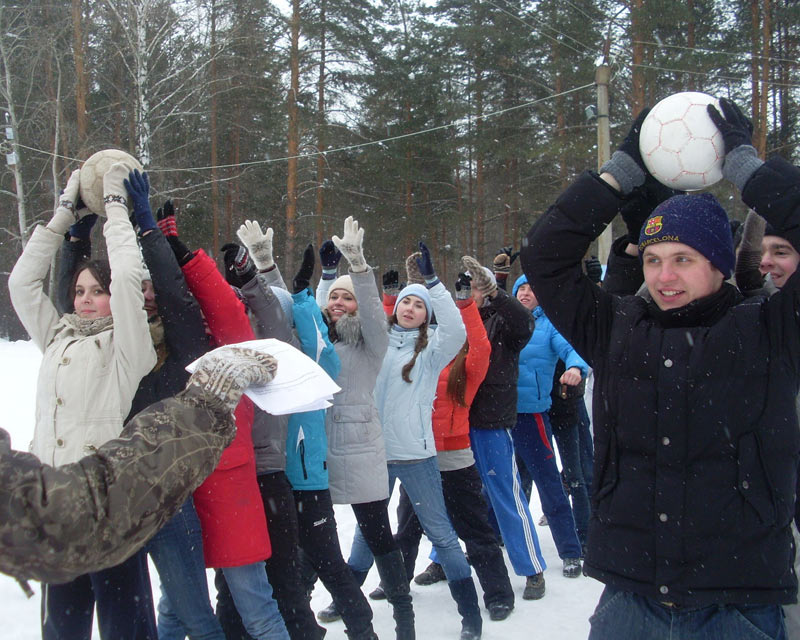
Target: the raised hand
(259, 244)
(391, 282)
(351, 244)
(138, 187)
(303, 277)
(425, 264)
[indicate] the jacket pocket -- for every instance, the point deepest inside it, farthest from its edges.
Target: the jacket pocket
(608, 473)
(753, 482)
(354, 428)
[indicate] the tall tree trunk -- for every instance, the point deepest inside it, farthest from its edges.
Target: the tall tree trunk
(691, 43)
(214, 134)
(81, 78)
(638, 82)
(480, 210)
(561, 124)
(755, 86)
(766, 40)
(321, 142)
(293, 136)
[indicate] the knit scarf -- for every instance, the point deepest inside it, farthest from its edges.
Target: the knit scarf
(87, 326)
(703, 312)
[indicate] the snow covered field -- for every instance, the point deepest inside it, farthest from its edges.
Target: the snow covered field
(561, 615)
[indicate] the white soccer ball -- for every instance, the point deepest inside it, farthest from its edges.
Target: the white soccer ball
(92, 172)
(680, 145)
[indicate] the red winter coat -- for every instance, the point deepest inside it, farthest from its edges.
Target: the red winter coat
(450, 420)
(229, 502)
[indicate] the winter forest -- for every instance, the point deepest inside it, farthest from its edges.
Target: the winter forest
(454, 121)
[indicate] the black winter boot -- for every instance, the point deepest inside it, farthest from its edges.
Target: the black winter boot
(463, 592)
(395, 585)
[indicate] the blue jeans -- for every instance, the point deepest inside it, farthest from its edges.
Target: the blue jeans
(423, 484)
(252, 595)
(623, 615)
(184, 608)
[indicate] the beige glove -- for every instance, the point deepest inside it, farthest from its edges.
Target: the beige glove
(225, 373)
(481, 280)
(413, 275)
(351, 244)
(65, 213)
(258, 244)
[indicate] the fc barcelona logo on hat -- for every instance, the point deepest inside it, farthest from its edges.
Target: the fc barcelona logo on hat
(653, 226)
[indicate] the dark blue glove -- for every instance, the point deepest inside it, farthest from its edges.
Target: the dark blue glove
(329, 256)
(138, 186)
(83, 228)
(424, 264)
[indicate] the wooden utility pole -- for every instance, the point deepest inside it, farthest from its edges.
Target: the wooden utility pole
(602, 76)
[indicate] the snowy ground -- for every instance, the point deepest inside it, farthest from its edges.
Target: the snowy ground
(561, 615)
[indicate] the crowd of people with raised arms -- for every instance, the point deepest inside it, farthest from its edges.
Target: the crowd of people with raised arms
(685, 510)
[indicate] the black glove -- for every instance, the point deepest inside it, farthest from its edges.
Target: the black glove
(735, 127)
(626, 164)
(594, 270)
(463, 286)
(391, 282)
(640, 203)
(329, 256)
(303, 278)
(239, 268)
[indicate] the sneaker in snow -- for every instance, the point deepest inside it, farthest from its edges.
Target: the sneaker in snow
(534, 587)
(377, 593)
(329, 614)
(572, 567)
(433, 574)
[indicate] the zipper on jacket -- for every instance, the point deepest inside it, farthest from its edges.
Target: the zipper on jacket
(302, 447)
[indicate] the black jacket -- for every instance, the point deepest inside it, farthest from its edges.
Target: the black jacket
(696, 435)
(509, 327)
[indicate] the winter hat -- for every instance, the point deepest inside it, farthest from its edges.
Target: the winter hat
(286, 302)
(342, 282)
(421, 292)
(523, 279)
(695, 220)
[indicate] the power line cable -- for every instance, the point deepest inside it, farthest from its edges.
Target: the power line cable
(361, 145)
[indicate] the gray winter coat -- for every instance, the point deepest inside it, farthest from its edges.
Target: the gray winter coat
(356, 452)
(269, 432)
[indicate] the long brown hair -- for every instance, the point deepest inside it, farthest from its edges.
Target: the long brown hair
(419, 345)
(457, 377)
(100, 270)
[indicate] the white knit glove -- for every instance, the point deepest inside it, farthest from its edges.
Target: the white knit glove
(258, 244)
(225, 373)
(115, 195)
(66, 209)
(351, 245)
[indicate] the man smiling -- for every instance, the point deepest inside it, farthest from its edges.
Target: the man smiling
(696, 434)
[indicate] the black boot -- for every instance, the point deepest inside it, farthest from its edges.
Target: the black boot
(463, 592)
(395, 585)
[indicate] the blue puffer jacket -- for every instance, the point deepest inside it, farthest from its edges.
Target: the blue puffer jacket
(306, 441)
(538, 359)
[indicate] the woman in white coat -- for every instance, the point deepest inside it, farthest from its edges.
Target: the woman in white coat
(92, 363)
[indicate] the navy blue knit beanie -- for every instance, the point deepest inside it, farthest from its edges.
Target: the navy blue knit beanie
(696, 220)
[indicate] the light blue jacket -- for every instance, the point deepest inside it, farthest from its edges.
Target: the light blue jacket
(538, 359)
(307, 442)
(405, 408)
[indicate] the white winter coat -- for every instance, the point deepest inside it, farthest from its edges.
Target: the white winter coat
(86, 383)
(406, 408)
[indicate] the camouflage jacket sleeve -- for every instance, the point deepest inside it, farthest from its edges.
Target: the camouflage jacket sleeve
(57, 523)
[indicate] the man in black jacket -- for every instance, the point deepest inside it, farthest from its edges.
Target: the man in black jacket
(696, 435)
